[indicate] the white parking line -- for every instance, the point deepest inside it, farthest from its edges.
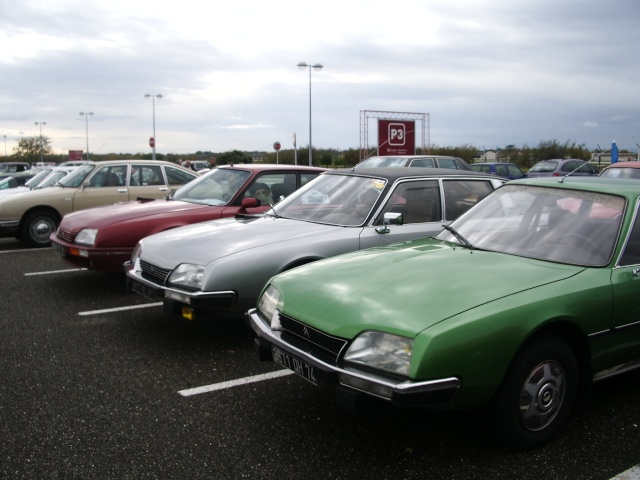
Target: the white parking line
(119, 309)
(234, 383)
(631, 474)
(47, 249)
(50, 272)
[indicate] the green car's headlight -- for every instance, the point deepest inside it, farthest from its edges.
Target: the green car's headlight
(268, 304)
(187, 275)
(86, 236)
(382, 351)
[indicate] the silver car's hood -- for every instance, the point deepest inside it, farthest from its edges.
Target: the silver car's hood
(202, 243)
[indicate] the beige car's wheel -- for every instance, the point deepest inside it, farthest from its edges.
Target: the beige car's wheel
(37, 227)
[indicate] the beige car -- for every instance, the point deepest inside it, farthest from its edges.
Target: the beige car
(32, 216)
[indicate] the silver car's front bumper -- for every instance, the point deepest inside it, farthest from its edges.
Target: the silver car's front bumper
(271, 345)
(174, 299)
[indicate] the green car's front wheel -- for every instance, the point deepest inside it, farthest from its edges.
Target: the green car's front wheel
(537, 395)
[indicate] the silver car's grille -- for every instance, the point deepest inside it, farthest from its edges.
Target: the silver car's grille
(310, 336)
(154, 274)
(66, 235)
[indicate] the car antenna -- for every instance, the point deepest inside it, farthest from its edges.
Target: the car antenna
(594, 157)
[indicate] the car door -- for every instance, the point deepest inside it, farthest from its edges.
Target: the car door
(106, 185)
(425, 206)
(624, 343)
(147, 181)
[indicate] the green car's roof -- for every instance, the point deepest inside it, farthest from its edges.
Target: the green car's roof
(629, 188)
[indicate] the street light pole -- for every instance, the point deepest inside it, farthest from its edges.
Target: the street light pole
(41, 123)
(153, 106)
(5, 146)
(86, 121)
(317, 67)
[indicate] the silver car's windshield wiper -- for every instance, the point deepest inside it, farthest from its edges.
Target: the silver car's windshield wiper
(459, 236)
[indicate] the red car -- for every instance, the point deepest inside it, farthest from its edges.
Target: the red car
(103, 238)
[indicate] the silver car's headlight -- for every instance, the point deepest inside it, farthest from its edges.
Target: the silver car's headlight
(382, 351)
(187, 275)
(87, 236)
(268, 303)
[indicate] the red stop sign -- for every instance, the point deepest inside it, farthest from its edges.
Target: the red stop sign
(152, 142)
(276, 146)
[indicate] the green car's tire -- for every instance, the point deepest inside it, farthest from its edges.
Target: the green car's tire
(536, 396)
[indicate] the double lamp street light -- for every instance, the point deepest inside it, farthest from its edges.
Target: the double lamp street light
(317, 67)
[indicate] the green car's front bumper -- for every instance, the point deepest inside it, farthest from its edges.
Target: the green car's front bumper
(310, 363)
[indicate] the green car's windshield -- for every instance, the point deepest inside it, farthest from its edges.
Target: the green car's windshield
(553, 224)
(344, 200)
(216, 187)
(75, 178)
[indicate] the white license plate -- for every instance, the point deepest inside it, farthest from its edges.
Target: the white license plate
(303, 369)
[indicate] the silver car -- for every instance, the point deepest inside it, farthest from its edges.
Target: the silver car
(220, 267)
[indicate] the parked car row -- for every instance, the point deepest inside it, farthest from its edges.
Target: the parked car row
(442, 288)
(33, 216)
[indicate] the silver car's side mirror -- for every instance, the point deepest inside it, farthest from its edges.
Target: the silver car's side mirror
(390, 218)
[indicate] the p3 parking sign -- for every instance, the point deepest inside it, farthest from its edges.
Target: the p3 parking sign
(396, 137)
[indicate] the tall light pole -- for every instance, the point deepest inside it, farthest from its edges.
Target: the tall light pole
(40, 123)
(86, 121)
(317, 67)
(153, 103)
(5, 145)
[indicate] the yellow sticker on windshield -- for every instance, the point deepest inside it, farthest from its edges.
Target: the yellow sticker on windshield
(378, 184)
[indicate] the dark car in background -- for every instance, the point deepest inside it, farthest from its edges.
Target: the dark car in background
(559, 167)
(423, 161)
(502, 169)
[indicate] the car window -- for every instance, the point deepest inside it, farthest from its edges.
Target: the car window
(418, 201)
(216, 187)
(270, 188)
(631, 255)
(502, 170)
(447, 163)
(482, 168)
(142, 175)
(613, 172)
(552, 224)
(334, 199)
(306, 177)
(461, 195)
(514, 171)
(109, 176)
(175, 176)
(544, 167)
(423, 162)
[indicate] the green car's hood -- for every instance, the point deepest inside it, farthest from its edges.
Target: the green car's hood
(405, 288)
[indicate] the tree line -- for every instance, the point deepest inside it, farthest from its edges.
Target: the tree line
(32, 149)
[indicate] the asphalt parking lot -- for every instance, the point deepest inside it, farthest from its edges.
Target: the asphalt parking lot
(96, 382)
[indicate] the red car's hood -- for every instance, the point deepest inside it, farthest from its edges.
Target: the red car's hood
(118, 213)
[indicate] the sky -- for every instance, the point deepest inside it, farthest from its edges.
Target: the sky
(488, 73)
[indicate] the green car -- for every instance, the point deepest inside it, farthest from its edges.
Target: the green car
(517, 307)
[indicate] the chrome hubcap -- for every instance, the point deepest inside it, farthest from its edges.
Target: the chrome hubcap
(542, 395)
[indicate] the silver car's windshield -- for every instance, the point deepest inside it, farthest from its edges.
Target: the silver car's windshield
(553, 224)
(75, 178)
(334, 199)
(216, 187)
(35, 180)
